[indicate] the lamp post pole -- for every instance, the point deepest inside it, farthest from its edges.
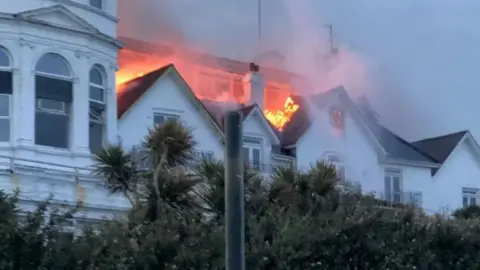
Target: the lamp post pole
(234, 192)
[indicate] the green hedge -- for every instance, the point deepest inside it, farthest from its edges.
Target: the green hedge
(348, 232)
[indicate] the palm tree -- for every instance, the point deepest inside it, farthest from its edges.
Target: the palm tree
(303, 189)
(118, 170)
(164, 183)
(212, 192)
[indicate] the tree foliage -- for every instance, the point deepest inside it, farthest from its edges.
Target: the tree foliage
(295, 220)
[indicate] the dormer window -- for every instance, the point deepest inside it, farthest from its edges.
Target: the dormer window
(96, 4)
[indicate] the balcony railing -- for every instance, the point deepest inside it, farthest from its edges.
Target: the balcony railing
(143, 161)
(403, 197)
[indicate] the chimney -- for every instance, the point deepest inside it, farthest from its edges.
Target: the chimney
(253, 86)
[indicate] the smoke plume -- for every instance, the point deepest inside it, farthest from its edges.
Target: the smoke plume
(415, 60)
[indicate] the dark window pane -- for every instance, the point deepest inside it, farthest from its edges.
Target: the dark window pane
(96, 3)
(96, 136)
(52, 63)
(396, 183)
(6, 83)
(158, 119)
(96, 76)
(388, 189)
(4, 105)
(4, 130)
(246, 154)
(96, 93)
(4, 59)
(55, 89)
(473, 201)
(51, 129)
(465, 201)
(256, 158)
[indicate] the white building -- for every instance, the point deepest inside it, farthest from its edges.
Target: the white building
(57, 80)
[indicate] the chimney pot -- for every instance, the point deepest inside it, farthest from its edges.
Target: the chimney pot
(253, 85)
(254, 67)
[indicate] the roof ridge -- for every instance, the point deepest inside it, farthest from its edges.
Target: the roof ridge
(158, 70)
(465, 131)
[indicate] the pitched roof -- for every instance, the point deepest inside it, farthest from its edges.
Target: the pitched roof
(442, 146)
(131, 91)
(298, 124)
(396, 147)
(225, 64)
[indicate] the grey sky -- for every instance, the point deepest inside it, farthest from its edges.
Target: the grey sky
(422, 56)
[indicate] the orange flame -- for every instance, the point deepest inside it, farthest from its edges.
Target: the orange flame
(281, 117)
(279, 109)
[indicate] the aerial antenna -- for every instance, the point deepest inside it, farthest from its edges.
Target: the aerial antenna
(259, 26)
(330, 37)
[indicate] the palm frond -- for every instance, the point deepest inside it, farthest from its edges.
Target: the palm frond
(117, 169)
(171, 137)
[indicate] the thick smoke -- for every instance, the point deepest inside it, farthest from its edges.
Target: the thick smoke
(415, 59)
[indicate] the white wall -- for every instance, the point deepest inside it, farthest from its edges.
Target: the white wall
(82, 53)
(460, 170)
(105, 20)
(165, 96)
(51, 170)
(353, 147)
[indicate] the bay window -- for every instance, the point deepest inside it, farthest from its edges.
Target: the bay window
(53, 95)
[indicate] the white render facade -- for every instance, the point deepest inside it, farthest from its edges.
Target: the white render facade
(57, 99)
(47, 133)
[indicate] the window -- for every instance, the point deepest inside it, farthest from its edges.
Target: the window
(53, 94)
(393, 189)
(96, 3)
(160, 118)
(469, 196)
(97, 108)
(6, 90)
(203, 155)
(339, 166)
(251, 152)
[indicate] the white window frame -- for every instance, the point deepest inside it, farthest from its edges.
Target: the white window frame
(166, 116)
(9, 117)
(339, 165)
(98, 119)
(391, 174)
(64, 111)
(471, 195)
(202, 154)
(252, 144)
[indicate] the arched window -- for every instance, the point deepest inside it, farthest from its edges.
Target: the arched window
(6, 90)
(53, 99)
(97, 108)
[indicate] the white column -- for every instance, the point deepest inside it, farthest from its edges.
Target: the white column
(111, 129)
(24, 97)
(80, 109)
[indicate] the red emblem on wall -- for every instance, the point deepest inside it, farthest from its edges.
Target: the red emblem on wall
(337, 118)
